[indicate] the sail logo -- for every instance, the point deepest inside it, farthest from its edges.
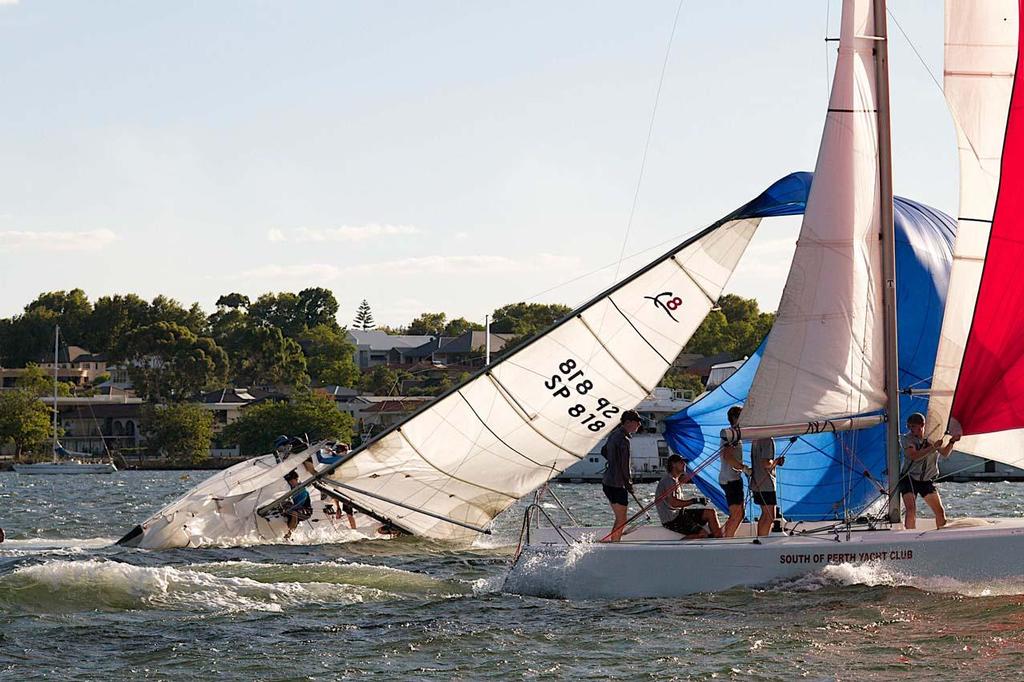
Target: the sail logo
(668, 302)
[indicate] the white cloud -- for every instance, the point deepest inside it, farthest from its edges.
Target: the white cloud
(87, 240)
(418, 265)
(345, 233)
(8, 2)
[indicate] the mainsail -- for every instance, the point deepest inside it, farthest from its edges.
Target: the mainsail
(825, 354)
(979, 371)
(477, 449)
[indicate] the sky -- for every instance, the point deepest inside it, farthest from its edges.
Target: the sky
(424, 156)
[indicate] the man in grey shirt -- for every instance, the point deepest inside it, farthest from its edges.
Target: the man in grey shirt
(674, 511)
(731, 464)
(762, 481)
(921, 471)
(617, 483)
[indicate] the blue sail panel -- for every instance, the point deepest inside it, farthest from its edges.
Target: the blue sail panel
(827, 476)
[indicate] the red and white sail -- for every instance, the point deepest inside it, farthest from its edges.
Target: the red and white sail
(979, 370)
(825, 355)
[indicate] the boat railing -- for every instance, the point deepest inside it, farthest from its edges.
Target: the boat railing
(533, 513)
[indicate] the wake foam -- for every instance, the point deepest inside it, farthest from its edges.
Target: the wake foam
(73, 586)
(544, 573)
(875, 574)
(52, 546)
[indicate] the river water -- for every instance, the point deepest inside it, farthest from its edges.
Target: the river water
(72, 606)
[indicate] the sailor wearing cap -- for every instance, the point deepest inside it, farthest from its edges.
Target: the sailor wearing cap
(617, 482)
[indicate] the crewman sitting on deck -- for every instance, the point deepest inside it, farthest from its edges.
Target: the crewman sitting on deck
(692, 524)
(301, 507)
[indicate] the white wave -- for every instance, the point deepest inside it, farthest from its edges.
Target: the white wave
(875, 574)
(30, 546)
(544, 573)
(68, 586)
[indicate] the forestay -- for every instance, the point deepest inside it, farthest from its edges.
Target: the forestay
(982, 64)
(824, 356)
(479, 448)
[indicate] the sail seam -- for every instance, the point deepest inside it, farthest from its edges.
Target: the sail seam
(491, 431)
(612, 356)
(442, 471)
(630, 323)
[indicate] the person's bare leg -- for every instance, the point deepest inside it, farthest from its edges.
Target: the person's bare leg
(620, 522)
(351, 521)
(711, 518)
(767, 518)
(734, 520)
(935, 503)
(699, 535)
(293, 521)
(910, 504)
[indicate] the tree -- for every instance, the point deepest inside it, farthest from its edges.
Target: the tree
(460, 326)
(233, 300)
(432, 324)
(38, 383)
(737, 327)
(364, 317)
(311, 415)
(178, 431)
(278, 310)
(262, 356)
(24, 421)
(329, 357)
(316, 307)
(112, 319)
(683, 381)
(381, 380)
(168, 362)
(527, 319)
(71, 309)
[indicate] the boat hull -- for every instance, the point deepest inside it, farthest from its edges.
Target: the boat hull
(976, 549)
(64, 468)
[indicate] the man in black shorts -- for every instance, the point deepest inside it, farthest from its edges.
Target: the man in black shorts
(730, 466)
(921, 471)
(617, 482)
(674, 510)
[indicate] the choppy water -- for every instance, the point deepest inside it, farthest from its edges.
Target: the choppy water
(74, 607)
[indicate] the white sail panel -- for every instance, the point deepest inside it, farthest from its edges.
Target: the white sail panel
(980, 62)
(824, 356)
(474, 452)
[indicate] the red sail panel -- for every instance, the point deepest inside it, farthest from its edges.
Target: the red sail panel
(990, 392)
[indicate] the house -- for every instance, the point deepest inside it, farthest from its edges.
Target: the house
(380, 348)
(99, 424)
(227, 404)
(82, 367)
(347, 400)
(383, 412)
(466, 350)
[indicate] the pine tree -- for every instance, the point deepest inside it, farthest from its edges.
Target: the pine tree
(364, 317)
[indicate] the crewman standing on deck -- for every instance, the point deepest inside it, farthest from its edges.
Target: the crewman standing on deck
(617, 481)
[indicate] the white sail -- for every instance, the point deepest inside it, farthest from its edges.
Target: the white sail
(980, 63)
(475, 451)
(824, 356)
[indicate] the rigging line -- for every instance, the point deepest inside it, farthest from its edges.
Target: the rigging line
(828, 72)
(647, 142)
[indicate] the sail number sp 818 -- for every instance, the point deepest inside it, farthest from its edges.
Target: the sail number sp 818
(571, 383)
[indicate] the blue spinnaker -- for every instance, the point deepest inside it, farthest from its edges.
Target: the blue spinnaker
(827, 476)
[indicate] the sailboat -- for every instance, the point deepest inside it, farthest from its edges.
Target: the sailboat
(63, 461)
(830, 363)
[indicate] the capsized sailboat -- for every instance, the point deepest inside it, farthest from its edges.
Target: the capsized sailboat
(830, 362)
(222, 509)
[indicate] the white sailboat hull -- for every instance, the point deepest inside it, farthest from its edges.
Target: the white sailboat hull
(654, 566)
(221, 511)
(65, 468)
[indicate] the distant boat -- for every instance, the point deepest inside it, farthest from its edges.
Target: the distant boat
(64, 461)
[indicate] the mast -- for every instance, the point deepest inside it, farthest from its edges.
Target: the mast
(56, 355)
(892, 408)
